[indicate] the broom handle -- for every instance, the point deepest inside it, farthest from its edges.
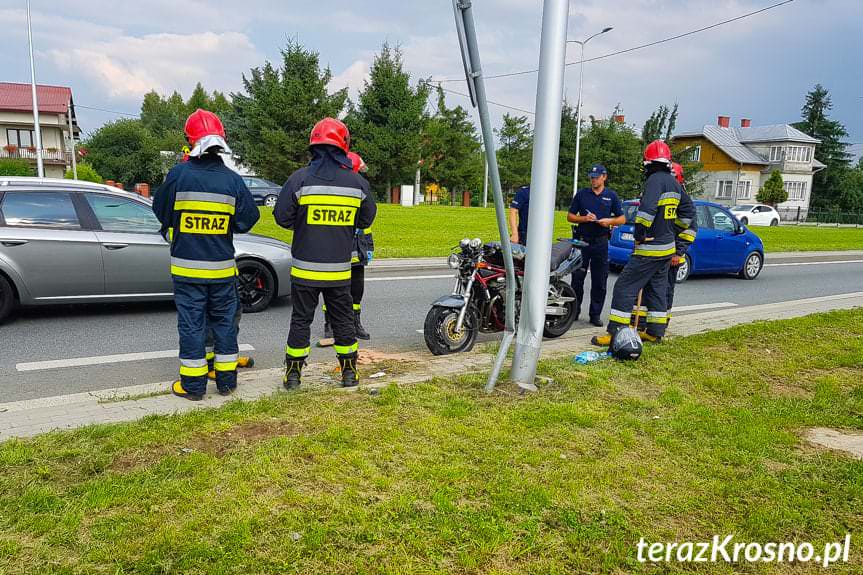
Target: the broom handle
(638, 308)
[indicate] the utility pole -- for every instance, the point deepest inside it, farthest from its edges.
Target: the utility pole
(485, 184)
(72, 140)
(546, 148)
(417, 183)
(40, 168)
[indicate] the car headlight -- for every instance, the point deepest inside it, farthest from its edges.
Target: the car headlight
(453, 261)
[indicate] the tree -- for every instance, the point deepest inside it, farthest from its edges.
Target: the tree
(86, 173)
(165, 117)
(617, 147)
(692, 171)
(388, 121)
(832, 151)
(566, 156)
(773, 192)
(852, 189)
(451, 149)
(515, 153)
(16, 167)
(125, 151)
(269, 123)
(660, 125)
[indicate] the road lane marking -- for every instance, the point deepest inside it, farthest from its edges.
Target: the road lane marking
(105, 359)
(813, 263)
(406, 278)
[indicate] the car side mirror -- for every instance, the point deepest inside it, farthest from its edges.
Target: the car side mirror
(740, 229)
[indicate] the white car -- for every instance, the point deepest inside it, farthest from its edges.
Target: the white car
(756, 215)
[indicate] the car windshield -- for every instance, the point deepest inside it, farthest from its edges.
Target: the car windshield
(629, 210)
(742, 208)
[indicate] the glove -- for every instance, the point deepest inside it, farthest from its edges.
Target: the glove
(369, 256)
(677, 261)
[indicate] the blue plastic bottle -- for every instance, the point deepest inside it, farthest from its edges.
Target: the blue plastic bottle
(586, 357)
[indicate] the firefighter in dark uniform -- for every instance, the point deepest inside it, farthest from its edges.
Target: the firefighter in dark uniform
(594, 210)
(361, 256)
(201, 205)
(655, 245)
(324, 204)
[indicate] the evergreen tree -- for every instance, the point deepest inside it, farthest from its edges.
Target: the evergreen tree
(617, 147)
(566, 157)
(269, 123)
(515, 152)
(660, 125)
(773, 192)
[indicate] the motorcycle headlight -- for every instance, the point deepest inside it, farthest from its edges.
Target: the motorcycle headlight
(475, 243)
(453, 261)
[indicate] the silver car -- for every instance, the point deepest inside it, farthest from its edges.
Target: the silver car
(65, 241)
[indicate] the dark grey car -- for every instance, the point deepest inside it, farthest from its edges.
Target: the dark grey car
(264, 191)
(64, 241)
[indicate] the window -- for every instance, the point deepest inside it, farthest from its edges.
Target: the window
(40, 210)
(20, 138)
(775, 153)
(744, 190)
(720, 220)
(724, 189)
(796, 190)
(702, 217)
(117, 214)
(799, 154)
(696, 153)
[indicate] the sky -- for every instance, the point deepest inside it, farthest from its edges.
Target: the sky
(112, 52)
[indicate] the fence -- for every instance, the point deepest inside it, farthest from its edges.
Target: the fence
(48, 155)
(805, 216)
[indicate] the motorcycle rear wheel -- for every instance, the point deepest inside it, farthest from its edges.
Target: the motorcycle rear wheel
(557, 325)
(439, 330)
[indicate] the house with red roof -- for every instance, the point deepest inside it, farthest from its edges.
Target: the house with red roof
(56, 118)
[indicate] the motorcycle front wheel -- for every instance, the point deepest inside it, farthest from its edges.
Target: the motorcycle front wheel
(439, 330)
(557, 325)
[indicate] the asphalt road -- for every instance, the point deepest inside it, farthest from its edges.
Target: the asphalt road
(395, 307)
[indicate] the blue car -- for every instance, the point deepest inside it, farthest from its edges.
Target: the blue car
(723, 245)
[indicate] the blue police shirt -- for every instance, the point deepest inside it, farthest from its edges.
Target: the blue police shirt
(604, 205)
(521, 202)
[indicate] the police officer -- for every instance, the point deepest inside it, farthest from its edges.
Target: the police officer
(201, 205)
(324, 204)
(361, 256)
(654, 247)
(518, 212)
(594, 210)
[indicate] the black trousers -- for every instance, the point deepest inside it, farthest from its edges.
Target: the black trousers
(339, 310)
(672, 281)
(651, 275)
(594, 258)
(358, 285)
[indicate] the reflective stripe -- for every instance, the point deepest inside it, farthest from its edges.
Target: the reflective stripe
(193, 362)
(322, 266)
(657, 317)
(205, 197)
(321, 276)
(226, 366)
(170, 234)
(655, 251)
(687, 235)
(203, 269)
(193, 367)
(218, 207)
(202, 264)
(357, 307)
(330, 191)
(669, 199)
(346, 349)
(210, 355)
(683, 222)
(324, 308)
(330, 201)
(298, 352)
(225, 358)
(618, 316)
(640, 312)
(367, 231)
(644, 217)
(355, 260)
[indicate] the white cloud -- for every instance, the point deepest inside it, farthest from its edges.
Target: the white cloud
(352, 78)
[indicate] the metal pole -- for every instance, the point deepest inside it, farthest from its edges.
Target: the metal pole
(40, 168)
(466, 9)
(485, 184)
(578, 121)
(546, 142)
(72, 139)
(417, 184)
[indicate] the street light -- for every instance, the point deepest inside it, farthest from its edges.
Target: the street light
(578, 111)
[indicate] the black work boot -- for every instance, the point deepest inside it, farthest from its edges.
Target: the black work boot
(361, 331)
(293, 373)
(350, 375)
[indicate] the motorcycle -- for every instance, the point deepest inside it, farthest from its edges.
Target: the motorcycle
(478, 301)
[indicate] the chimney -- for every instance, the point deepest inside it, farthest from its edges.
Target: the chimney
(724, 121)
(745, 123)
(620, 119)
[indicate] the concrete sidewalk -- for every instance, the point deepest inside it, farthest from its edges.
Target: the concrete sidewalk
(383, 266)
(32, 417)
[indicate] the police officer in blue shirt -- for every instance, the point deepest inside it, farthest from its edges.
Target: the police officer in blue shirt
(595, 210)
(518, 210)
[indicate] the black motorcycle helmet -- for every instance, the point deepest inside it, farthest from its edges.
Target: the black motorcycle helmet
(626, 345)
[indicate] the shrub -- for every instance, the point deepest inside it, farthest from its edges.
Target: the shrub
(86, 173)
(16, 167)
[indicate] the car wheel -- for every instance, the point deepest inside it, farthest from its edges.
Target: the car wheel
(270, 201)
(256, 285)
(7, 298)
(683, 270)
(744, 221)
(753, 266)
(775, 222)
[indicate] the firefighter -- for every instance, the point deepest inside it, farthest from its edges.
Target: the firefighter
(361, 256)
(324, 204)
(654, 247)
(201, 205)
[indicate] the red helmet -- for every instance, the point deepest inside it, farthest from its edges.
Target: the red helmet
(677, 170)
(333, 132)
(358, 164)
(657, 151)
(202, 123)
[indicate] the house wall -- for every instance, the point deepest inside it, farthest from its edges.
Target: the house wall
(53, 127)
(749, 173)
(714, 159)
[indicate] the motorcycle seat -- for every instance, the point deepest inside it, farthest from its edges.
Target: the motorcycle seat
(559, 252)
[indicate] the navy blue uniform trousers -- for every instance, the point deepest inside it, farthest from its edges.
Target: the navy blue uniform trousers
(595, 258)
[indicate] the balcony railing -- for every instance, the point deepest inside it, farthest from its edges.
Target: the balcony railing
(54, 156)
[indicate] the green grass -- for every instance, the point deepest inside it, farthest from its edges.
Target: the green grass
(808, 239)
(699, 438)
(423, 231)
(427, 231)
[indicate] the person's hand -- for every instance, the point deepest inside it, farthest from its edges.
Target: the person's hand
(677, 261)
(590, 217)
(604, 222)
(513, 238)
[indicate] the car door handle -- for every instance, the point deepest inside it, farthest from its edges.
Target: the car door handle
(13, 243)
(115, 247)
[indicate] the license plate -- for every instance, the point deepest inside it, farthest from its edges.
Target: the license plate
(627, 237)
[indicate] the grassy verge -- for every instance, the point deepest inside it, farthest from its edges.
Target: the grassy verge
(699, 438)
(427, 231)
